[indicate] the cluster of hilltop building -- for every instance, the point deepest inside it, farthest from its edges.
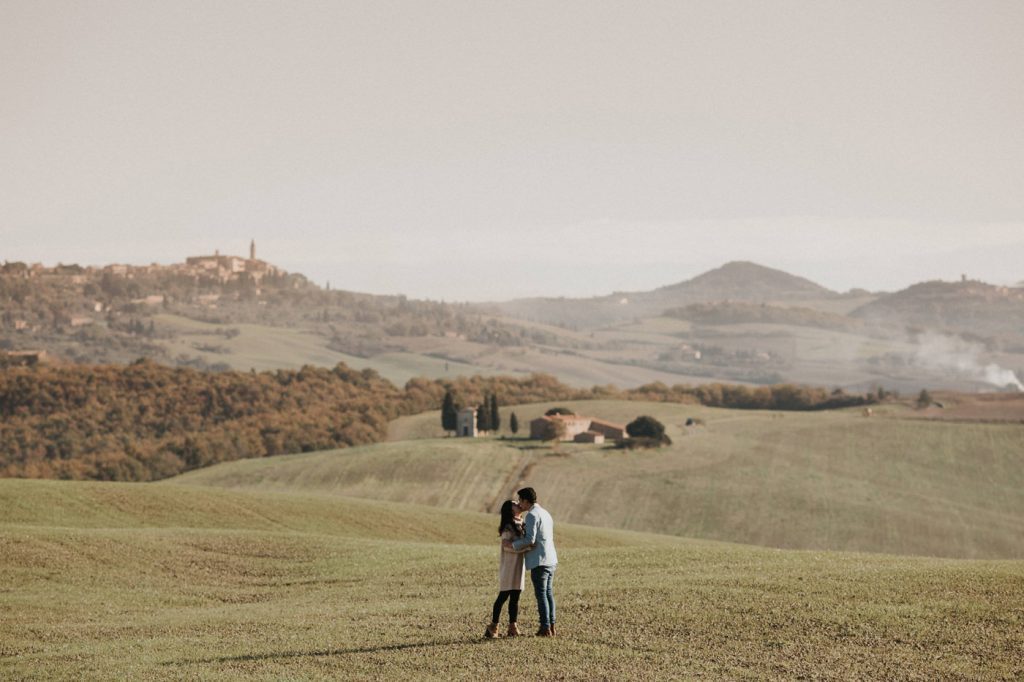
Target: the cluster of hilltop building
(576, 428)
(208, 270)
(227, 268)
(224, 269)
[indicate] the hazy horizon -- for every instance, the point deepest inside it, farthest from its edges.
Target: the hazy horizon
(486, 151)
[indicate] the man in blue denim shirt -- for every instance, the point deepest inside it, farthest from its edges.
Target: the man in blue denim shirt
(541, 559)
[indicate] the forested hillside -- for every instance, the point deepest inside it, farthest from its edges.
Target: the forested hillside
(147, 421)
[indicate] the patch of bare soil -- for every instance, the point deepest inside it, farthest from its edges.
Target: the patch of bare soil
(978, 407)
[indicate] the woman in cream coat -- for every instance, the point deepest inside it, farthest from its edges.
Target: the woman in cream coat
(511, 575)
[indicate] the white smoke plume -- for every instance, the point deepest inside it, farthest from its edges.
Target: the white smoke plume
(949, 353)
(1000, 376)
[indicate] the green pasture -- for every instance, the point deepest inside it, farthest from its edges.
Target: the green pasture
(399, 367)
(159, 582)
(579, 369)
(268, 348)
(813, 481)
(814, 356)
(256, 346)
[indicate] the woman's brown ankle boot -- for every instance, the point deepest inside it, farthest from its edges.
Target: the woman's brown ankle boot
(513, 630)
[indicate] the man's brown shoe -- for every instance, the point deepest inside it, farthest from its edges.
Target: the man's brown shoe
(544, 632)
(553, 630)
(513, 630)
(492, 631)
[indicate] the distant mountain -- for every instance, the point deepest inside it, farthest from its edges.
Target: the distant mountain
(961, 307)
(735, 281)
(743, 281)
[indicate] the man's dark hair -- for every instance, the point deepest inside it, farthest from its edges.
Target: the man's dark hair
(528, 494)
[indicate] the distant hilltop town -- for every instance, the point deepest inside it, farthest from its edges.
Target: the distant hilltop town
(119, 313)
(224, 269)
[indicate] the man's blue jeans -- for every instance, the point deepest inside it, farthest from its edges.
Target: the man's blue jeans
(543, 577)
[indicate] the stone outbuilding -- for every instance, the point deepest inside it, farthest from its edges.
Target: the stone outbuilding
(577, 425)
(589, 437)
(608, 429)
(465, 425)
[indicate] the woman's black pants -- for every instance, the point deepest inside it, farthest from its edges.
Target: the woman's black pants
(512, 596)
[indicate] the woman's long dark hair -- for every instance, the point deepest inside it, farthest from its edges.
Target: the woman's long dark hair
(508, 519)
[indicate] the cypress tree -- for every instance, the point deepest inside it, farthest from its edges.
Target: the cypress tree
(449, 415)
(495, 418)
(483, 416)
(513, 424)
(924, 398)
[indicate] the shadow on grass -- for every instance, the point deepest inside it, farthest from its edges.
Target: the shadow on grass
(534, 446)
(327, 652)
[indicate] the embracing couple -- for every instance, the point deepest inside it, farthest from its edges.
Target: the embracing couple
(526, 542)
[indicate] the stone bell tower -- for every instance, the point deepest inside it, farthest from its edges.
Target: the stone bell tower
(252, 250)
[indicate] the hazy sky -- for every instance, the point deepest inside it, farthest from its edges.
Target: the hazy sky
(482, 150)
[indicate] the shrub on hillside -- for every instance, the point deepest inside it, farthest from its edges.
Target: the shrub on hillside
(645, 426)
(647, 432)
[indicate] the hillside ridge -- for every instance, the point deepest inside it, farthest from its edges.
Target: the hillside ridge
(219, 313)
(833, 480)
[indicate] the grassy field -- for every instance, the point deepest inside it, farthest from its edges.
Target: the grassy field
(255, 346)
(627, 354)
(267, 348)
(815, 481)
(142, 581)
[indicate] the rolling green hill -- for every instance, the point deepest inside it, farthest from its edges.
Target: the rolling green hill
(968, 306)
(743, 323)
(104, 581)
(832, 480)
(263, 347)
